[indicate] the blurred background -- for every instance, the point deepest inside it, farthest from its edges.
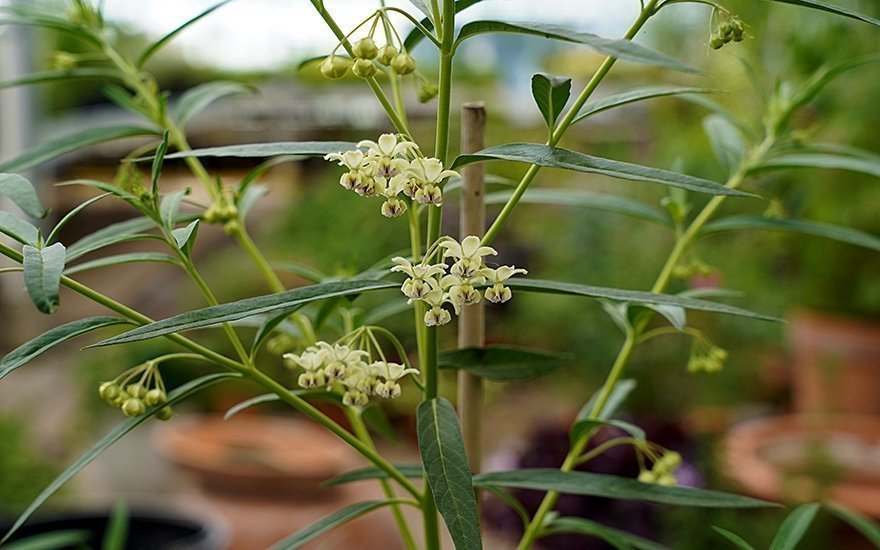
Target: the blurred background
(722, 423)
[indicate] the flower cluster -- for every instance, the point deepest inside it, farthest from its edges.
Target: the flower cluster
(706, 357)
(731, 28)
(391, 166)
(662, 471)
(440, 283)
(135, 390)
(326, 365)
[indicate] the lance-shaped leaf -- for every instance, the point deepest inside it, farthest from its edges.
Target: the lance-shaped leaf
(197, 99)
(632, 96)
(446, 468)
(794, 527)
(581, 427)
(18, 229)
(119, 259)
(830, 8)
(727, 143)
(67, 538)
(415, 36)
(24, 353)
(270, 303)
(838, 233)
(621, 49)
(121, 430)
(128, 230)
(863, 525)
(370, 472)
(42, 275)
(551, 93)
(158, 44)
(185, 237)
(618, 395)
(262, 150)
(54, 148)
(62, 223)
(634, 296)
(618, 488)
(425, 8)
(615, 537)
(817, 160)
(332, 521)
(45, 77)
(503, 363)
(555, 157)
(733, 538)
(585, 199)
(21, 191)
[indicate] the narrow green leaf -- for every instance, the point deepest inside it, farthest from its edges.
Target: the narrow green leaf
(22, 192)
(116, 534)
(250, 196)
(618, 488)
(331, 522)
(49, 77)
(288, 300)
(185, 237)
(503, 363)
(425, 8)
(102, 186)
(868, 528)
(370, 472)
(415, 36)
(676, 315)
(554, 157)
(197, 99)
(125, 99)
(265, 330)
(54, 148)
(619, 393)
(621, 49)
(446, 468)
(18, 229)
(824, 6)
(158, 44)
(251, 150)
(51, 541)
(48, 22)
(24, 353)
(733, 538)
(727, 143)
(634, 296)
(42, 275)
(119, 259)
(121, 430)
(128, 230)
(619, 313)
(307, 272)
(795, 527)
(72, 214)
(583, 426)
(169, 209)
(248, 403)
(615, 537)
(585, 199)
(374, 416)
(158, 161)
(632, 96)
(551, 93)
(816, 160)
(834, 232)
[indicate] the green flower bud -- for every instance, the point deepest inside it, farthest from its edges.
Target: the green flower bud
(725, 28)
(365, 48)
(109, 391)
(386, 54)
(716, 42)
(670, 461)
(155, 397)
(165, 413)
(364, 68)
(136, 390)
(335, 67)
(403, 64)
(667, 480)
(133, 407)
(427, 91)
(647, 476)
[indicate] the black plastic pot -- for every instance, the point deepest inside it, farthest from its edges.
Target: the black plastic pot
(146, 531)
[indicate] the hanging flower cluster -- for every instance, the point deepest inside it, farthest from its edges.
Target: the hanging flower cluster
(390, 166)
(136, 389)
(706, 356)
(440, 283)
(350, 368)
(663, 467)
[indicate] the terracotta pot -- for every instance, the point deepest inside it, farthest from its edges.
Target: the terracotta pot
(263, 474)
(836, 364)
(808, 457)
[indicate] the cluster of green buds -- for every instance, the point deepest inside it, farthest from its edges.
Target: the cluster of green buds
(730, 28)
(663, 466)
(438, 284)
(354, 366)
(366, 54)
(390, 166)
(137, 389)
(706, 356)
(692, 268)
(223, 210)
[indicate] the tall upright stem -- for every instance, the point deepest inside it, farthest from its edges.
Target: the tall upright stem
(471, 320)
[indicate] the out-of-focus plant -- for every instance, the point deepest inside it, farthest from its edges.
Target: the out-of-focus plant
(346, 356)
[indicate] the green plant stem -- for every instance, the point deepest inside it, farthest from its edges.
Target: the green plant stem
(563, 126)
(396, 119)
(684, 241)
(360, 429)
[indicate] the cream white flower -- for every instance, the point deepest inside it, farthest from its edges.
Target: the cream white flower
(429, 170)
(388, 146)
(353, 160)
(498, 293)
